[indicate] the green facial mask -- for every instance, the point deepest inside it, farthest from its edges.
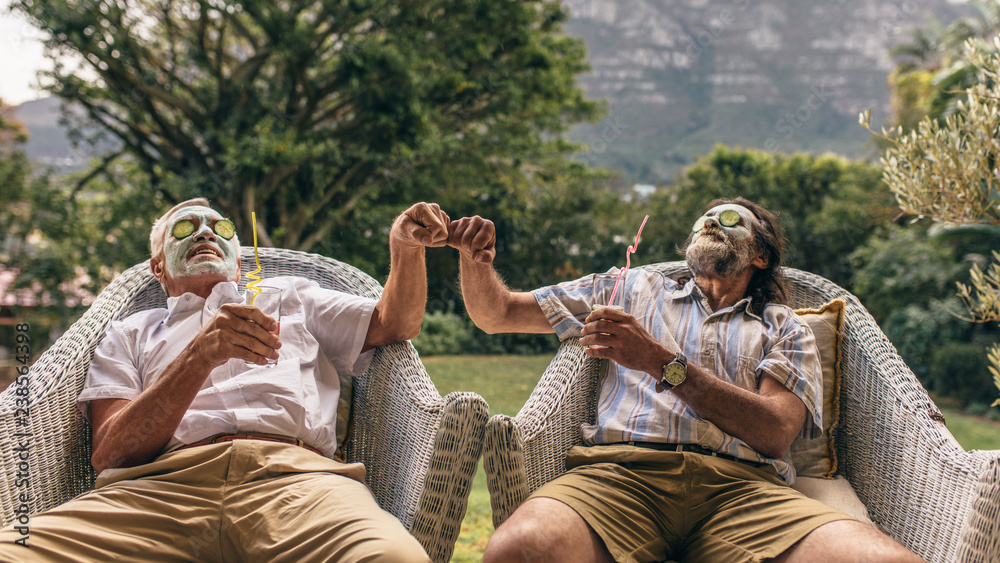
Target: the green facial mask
(186, 235)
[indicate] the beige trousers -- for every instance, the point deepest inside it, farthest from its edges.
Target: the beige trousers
(246, 500)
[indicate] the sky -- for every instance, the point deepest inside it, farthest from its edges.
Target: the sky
(20, 57)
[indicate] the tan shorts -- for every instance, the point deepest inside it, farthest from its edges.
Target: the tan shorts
(649, 505)
(245, 500)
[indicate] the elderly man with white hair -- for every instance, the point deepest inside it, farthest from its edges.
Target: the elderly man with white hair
(204, 452)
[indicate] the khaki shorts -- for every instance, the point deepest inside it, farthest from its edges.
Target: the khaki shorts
(649, 505)
(247, 500)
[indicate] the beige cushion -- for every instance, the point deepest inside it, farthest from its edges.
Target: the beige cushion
(818, 457)
(836, 493)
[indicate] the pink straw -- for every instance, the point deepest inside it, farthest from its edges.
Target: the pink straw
(628, 260)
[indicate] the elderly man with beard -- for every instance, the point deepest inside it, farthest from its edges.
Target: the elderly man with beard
(710, 382)
(206, 453)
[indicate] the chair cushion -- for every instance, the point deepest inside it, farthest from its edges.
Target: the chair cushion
(818, 457)
(836, 493)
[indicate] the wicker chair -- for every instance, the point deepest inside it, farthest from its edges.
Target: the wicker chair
(917, 483)
(421, 450)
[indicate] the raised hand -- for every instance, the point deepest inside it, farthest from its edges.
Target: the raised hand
(237, 331)
(423, 224)
(474, 237)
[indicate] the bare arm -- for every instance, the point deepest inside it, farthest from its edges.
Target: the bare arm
(768, 420)
(490, 304)
(129, 433)
(400, 310)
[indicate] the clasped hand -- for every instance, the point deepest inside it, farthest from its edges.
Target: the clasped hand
(425, 224)
(622, 339)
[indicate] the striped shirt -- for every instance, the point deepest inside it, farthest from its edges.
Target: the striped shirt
(734, 344)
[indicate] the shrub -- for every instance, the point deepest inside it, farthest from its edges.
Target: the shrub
(958, 370)
(450, 334)
(917, 330)
(444, 334)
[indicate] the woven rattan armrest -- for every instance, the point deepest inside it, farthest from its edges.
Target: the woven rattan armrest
(522, 453)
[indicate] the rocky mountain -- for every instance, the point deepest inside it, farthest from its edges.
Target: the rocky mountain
(784, 75)
(681, 76)
(47, 141)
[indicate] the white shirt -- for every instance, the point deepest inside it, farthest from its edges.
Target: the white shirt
(322, 333)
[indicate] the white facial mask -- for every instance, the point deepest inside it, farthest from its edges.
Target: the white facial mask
(714, 217)
(177, 252)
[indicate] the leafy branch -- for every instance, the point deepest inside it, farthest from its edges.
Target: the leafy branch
(950, 172)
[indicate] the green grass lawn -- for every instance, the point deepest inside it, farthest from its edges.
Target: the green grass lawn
(973, 432)
(506, 381)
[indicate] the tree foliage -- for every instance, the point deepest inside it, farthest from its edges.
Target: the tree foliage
(900, 267)
(328, 118)
(827, 205)
(931, 70)
(311, 112)
(947, 171)
(63, 246)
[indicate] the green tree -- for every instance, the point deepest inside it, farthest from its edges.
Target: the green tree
(946, 170)
(63, 241)
(329, 118)
(931, 70)
(899, 267)
(827, 205)
(62, 245)
(314, 112)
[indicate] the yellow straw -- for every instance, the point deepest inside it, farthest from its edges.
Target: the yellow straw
(252, 286)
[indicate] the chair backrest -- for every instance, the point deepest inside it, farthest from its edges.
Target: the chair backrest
(327, 272)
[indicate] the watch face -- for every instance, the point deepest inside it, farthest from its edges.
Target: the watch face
(674, 373)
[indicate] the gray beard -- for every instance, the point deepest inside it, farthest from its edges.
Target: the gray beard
(719, 258)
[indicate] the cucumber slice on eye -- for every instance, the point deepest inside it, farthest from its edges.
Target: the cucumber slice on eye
(729, 218)
(698, 225)
(182, 229)
(225, 229)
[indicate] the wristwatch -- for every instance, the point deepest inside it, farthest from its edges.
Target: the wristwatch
(674, 373)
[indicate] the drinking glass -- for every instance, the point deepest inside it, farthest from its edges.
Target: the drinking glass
(268, 300)
(596, 307)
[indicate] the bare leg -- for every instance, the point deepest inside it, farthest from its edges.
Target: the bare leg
(847, 541)
(544, 529)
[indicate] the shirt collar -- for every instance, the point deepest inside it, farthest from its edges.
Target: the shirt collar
(692, 291)
(222, 293)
